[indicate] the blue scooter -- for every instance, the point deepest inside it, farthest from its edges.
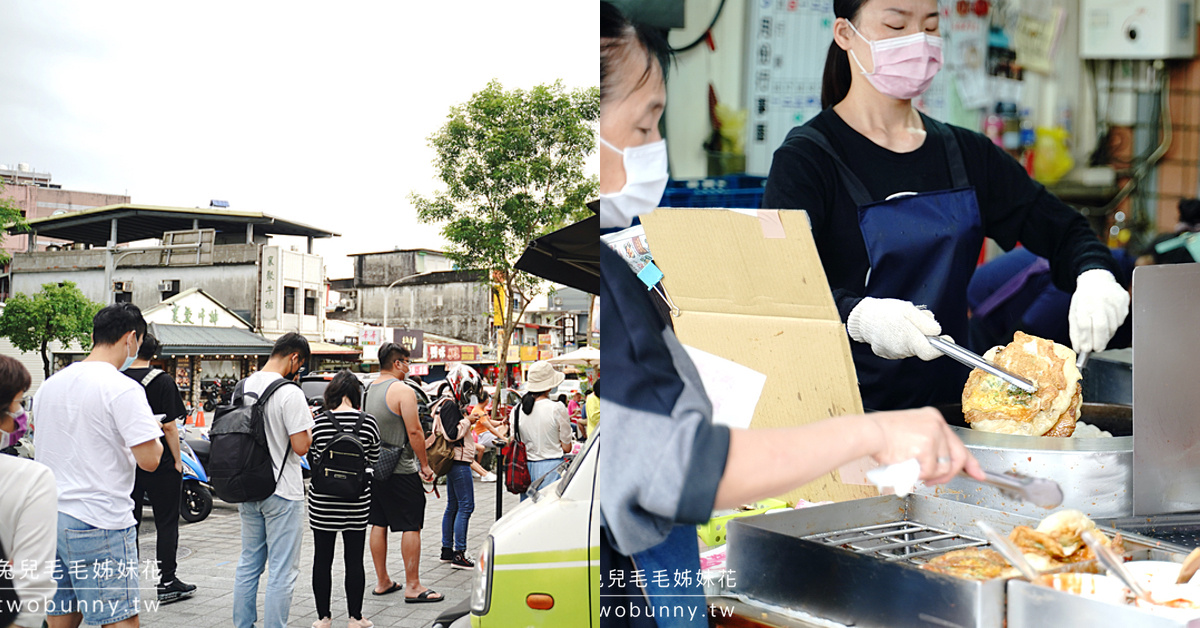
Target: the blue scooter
(196, 499)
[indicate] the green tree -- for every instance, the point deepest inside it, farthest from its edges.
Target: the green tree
(10, 220)
(58, 312)
(512, 162)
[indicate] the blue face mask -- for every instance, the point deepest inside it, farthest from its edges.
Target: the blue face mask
(128, 359)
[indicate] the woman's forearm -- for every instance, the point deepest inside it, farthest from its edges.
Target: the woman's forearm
(768, 462)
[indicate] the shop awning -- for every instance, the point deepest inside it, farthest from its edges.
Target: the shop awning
(570, 256)
(328, 348)
(196, 340)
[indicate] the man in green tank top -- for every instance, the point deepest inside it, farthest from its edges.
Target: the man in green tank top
(398, 501)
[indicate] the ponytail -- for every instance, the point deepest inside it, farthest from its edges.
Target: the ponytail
(835, 84)
(528, 400)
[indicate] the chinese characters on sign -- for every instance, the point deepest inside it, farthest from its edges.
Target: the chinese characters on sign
(269, 297)
(411, 339)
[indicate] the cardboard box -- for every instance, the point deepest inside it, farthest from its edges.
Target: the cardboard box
(750, 288)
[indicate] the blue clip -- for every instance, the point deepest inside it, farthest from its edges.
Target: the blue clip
(650, 275)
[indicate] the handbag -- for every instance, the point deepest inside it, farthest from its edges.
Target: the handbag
(440, 454)
(389, 457)
(516, 464)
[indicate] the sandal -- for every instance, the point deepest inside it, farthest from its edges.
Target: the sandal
(424, 598)
(396, 586)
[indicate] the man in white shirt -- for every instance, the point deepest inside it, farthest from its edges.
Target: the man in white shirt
(272, 528)
(93, 427)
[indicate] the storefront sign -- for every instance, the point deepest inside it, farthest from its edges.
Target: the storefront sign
(514, 353)
(469, 353)
(545, 355)
(411, 339)
(544, 339)
(270, 299)
(418, 369)
(445, 353)
(529, 354)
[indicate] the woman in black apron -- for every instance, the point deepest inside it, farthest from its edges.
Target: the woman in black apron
(900, 204)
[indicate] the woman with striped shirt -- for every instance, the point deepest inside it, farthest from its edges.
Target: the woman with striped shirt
(328, 514)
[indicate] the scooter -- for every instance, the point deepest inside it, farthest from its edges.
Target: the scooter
(196, 499)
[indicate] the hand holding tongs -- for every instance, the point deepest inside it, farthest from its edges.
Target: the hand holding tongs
(1037, 491)
(973, 360)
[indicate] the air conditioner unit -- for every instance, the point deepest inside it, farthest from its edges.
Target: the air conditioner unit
(166, 286)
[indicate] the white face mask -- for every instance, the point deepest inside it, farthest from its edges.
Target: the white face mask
(645, 180)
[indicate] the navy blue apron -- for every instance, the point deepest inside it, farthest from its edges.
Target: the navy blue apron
(922, 248)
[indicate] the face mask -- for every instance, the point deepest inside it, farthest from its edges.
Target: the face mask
(645, 180)
(904, 66)
(22, 427)
(128, 359)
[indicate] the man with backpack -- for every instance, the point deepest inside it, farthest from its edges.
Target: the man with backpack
(165, 484)
(398, 498)
(93, 428)
(272, 526)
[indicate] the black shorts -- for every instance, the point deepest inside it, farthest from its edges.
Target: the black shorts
(398, 502)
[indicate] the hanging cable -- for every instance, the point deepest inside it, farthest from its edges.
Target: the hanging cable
(704, 35)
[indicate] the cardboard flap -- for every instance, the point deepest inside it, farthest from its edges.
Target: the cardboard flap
(722, 261)
(751, 289)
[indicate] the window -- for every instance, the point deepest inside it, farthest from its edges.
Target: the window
(289, 300)
(310, 302)
(169, 288)
(124, 297)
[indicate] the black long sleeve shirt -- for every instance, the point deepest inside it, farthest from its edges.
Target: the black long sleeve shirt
(1014, 208)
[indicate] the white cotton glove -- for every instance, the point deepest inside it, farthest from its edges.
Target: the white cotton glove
(895, 329)
(1098, 308)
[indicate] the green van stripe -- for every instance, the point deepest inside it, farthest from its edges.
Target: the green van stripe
(555, 556)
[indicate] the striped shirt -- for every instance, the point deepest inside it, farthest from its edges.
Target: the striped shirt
(329, 513)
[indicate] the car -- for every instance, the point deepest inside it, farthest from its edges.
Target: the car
(538, 552)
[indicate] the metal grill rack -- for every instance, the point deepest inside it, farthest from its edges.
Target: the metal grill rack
(908, 541)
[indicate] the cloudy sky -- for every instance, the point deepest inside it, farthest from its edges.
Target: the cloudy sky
(298, 109)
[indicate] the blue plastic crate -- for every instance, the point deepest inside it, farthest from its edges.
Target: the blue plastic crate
(728, 191)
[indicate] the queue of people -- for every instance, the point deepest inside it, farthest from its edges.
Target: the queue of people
(106, 438)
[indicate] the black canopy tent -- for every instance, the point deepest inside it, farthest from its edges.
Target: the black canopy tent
(570, 256)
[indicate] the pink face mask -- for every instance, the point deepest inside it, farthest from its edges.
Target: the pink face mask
(904, 66)
(8, 439)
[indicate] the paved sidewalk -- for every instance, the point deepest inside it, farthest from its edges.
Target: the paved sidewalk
(209, 550)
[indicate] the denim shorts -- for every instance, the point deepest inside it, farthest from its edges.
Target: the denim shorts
(96, 572)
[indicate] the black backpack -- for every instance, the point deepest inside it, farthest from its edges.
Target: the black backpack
(239, 467)
(340, 469)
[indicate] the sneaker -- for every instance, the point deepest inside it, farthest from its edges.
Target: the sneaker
(323, 623)
(490, 477)
(360, 623)
(174, 591)
(461, 561)
(447, 555)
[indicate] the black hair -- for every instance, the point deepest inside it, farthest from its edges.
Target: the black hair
(530, 398)
(596, 387)
(344, 384)
(1189, 212)
(619, 37)
(14, 380)
(116, 320)
(385, 354)
(835, 84)
(149, 348)
(290, 343)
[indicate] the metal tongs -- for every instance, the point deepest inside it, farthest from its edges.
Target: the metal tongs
(974, 360)
(1037, 491)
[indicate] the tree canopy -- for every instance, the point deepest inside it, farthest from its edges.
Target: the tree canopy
(58, 312)
(513, 163)
(10, 216)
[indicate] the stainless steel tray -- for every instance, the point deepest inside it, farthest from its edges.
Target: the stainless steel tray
(857, 562)
(1032, 605)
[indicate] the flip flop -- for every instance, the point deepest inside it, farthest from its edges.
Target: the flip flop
(396, 586)
(424, 598)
